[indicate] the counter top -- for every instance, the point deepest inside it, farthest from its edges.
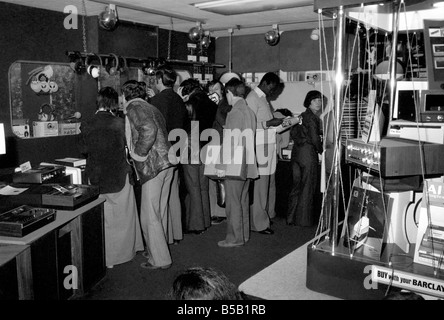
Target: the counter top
(62, 217)
(9, 252)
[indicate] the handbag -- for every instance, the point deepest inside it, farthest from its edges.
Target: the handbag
(220, 193)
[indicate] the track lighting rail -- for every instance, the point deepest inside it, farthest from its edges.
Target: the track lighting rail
(135, 61)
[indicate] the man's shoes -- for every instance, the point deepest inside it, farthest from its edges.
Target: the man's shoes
(217, 220)
(266, 231)
(226, 244)
(147, 265)
(176, 242)
(146, 254)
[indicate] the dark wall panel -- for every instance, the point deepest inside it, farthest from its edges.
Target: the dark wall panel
(129, 39)
(299, 53)
(294, 52)
(33, 34)
(249, 53)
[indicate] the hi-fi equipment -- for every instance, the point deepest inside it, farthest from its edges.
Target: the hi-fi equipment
(392, 157)
(24, 219)
(41, 174)
(58, 196)
(418, 131)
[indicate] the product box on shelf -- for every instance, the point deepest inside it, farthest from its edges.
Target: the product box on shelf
(21, 131)
(69, 128)
(45, 128)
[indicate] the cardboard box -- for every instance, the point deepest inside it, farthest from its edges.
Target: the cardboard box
(67, 128)
(45, 128)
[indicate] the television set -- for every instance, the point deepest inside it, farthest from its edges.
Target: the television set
(432, 106)
(407, 100)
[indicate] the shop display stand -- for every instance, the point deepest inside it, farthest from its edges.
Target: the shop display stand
(335, 270)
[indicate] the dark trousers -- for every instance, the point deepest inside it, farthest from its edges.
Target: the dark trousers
(197, 200)
(237, 207)
(304, 161)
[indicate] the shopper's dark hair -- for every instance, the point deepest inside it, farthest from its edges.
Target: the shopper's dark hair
(132, 89)
(270, 78)
(167, 75)
(311, 95)
(200, 283)
(189, 85)
(212, 83)
(107, 99)
(285, 112)
(236, 86)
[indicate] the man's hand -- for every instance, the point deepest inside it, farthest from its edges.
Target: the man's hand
(220, 173)
(274, 122)
(150, 92)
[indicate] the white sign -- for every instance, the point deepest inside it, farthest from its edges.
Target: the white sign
(409, 281)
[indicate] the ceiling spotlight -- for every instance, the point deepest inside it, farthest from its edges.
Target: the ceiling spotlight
(314, 34)
(196, 33)
(272, 37)
(108, 19)
(206, 40)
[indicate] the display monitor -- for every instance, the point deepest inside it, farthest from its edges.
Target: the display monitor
(432, 106)
(407, 100)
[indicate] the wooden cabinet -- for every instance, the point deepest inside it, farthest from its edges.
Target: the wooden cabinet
(93, 244)
(59, 261)
(15, 272)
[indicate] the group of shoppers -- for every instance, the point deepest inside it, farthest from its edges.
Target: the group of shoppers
(153, 123)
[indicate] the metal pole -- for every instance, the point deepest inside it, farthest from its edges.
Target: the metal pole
(339, 80)
(393, 60)
(230, 63)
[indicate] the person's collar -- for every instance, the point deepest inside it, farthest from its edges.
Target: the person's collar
(163, 88)
(259, 92)
(125, 105)
(236, 99)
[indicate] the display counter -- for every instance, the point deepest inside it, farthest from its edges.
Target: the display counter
(61, 260)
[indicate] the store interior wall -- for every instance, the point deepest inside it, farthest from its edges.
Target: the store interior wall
(39, 35)
(294, 52)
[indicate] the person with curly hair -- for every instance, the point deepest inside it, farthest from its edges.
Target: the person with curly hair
(200, 283)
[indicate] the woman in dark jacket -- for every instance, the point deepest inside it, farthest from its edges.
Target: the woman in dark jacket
(102, 141)
(202, 112)
(307, 138)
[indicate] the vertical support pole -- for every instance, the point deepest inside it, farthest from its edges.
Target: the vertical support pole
(230, 62)
(393, 57)
(339, 80)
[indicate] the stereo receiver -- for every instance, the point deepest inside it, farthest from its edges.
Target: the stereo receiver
(393, 157)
